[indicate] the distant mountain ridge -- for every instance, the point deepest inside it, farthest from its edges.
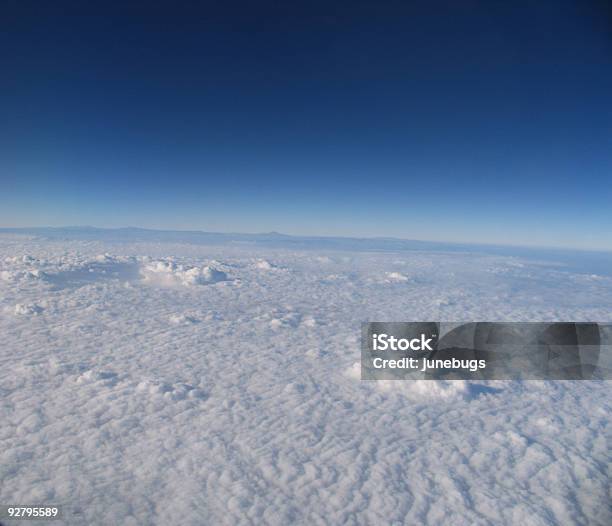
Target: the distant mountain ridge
(591, 262)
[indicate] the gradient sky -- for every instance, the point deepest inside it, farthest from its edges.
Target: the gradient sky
(455, 121)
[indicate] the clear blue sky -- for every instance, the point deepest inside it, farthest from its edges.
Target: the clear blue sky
(458, 121)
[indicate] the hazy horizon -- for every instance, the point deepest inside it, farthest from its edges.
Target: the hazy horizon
(442, 242)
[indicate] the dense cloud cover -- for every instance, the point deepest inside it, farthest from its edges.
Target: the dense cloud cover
(160, 382)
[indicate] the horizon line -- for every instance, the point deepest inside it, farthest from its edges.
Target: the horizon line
(317, 236)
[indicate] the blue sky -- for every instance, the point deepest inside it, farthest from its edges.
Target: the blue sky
(454, 121)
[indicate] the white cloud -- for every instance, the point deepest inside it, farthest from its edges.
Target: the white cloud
(240, 401)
